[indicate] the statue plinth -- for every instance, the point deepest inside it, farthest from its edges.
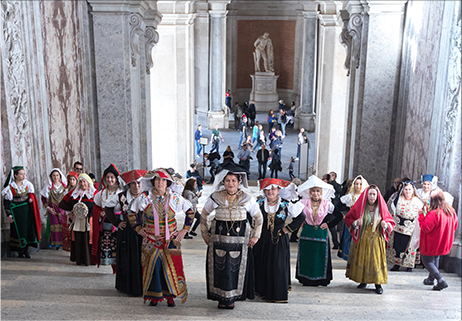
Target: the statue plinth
(264, 91)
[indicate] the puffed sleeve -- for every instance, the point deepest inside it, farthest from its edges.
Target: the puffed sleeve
(296, 213)
(7, 193)
(208, 208)
(99, 199)
(254, 211)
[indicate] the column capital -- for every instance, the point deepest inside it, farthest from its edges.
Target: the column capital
(310, 14)
(384, 6)
(114, 6)
(217, 8)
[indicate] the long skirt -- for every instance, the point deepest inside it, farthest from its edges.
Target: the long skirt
(82, 248)
(54, 229)
(229, 266)
(129, 277)
(314, 264)
(67, 235)
(400, 253)
(108, 245)
(367, 262)
(163, 274)
(345, 244)
(272, 267)
(23, 231)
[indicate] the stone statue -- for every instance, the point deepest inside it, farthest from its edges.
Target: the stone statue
(264, 49)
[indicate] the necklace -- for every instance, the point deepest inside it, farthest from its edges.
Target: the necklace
(314, 210)
(231, 220)
(231, 194)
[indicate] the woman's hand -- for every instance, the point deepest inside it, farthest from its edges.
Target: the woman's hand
(122, 225)
(206, 238)
(51, 210)
(102, 214)
(324, 226)
(358, 222)
(142, 232)
(383, 224)
(285, 230)
(181, 235)
(10, 218)
(253, 241)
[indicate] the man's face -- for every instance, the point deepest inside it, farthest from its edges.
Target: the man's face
(78, 168)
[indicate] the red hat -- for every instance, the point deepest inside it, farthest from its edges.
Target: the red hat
(72, 173)
(268, 182)
(133, 175)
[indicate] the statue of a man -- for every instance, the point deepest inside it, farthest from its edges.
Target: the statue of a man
(264, 49)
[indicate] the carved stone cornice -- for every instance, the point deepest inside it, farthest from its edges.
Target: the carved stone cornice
(152, 37)
(15, 73)
(136, 30)
(350, 38)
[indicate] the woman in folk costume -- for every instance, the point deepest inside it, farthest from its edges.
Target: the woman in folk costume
(22, 209)
(129, 277)
(68, 237)
(104, 232)
(358, 186)
(314, 264)
(80, 202)
(370, 224)
(52, 194)
(272, 251)
(157, 207)
(405, 210)
(229, 265)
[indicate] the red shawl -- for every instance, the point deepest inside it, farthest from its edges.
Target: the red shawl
(35, 209)
(356, 212)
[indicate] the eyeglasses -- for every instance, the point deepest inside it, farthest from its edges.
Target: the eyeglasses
(79, 168)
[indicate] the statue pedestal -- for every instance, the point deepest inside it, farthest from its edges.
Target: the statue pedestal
(264, 91)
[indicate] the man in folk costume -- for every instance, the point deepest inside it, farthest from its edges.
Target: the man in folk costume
(370, 225)
(157, 207)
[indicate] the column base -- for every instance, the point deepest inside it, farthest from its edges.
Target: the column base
(218, 117)
(307, 121)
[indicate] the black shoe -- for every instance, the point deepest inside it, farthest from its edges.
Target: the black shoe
(427, 281)
(441, 285)
(26, 255)
(408, 269)
(361, 285)
(335, 247)
(171, 303)
(378, 289)
(193, 233)
(188, 237)
(152, 304)
(395, 268)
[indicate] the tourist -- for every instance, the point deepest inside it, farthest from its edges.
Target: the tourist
(230, 239)
(392, 189)
(301, 139)
(22, 210)
(228, 155)
(193, 172)
(314, 267)
(215, 140)
(272, 251)
(271, 120)
(243, 130)
(78, 167)
(80, 202)
(252, 113)
(405, 210)
(291, 168)
(262, 157)
(436, 236)
(197, 139)
(255, 134)
(244, 158)
(370, 224)
(190, 193)
(52, 194)
(228, 98)
(157, 208)
(275, 165)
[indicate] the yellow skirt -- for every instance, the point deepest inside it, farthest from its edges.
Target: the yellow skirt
(367, 262)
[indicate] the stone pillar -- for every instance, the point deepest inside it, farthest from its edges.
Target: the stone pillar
(119, 29)
(376, 29)
(306, 117)
(173, 88)
(331, 93)
(217, 63)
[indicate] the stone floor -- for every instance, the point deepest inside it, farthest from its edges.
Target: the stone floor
(50, 287)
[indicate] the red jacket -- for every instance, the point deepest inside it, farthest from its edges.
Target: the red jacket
(437, 232)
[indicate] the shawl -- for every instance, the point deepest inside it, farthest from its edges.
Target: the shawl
(356, 212)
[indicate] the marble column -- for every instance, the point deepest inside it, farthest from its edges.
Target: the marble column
(306, 117)
(380, 25)
(217, 52)
(331, 95)
(120, 69)
(173, 88)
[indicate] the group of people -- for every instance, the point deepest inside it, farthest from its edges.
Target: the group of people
(131, 224)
